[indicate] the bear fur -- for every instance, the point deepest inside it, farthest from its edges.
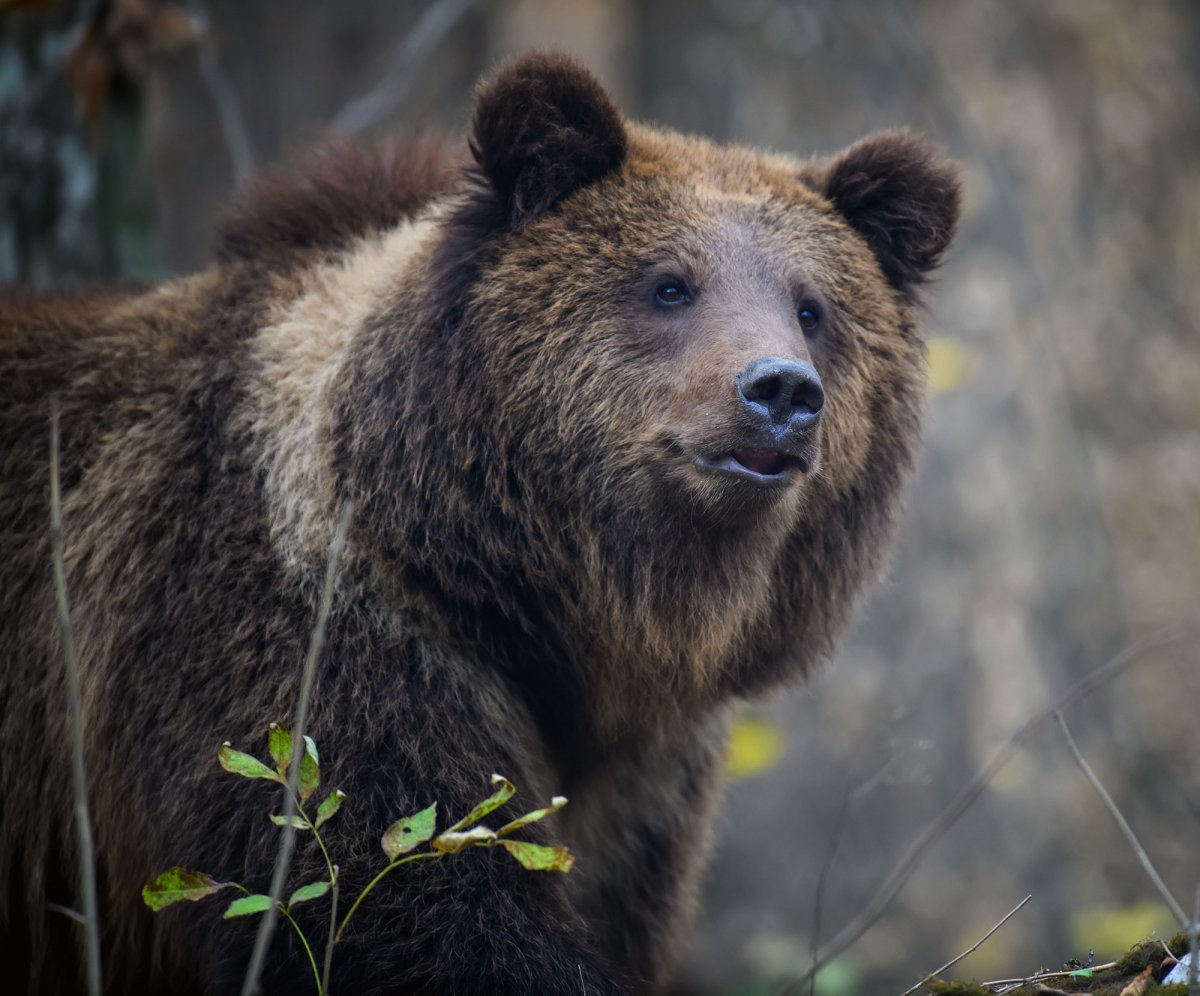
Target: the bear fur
(540, 580)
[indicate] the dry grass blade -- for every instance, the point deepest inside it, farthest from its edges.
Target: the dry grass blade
(974, 947)
(288, 838)
(1126, 829)
(225, 98)
(83, 825)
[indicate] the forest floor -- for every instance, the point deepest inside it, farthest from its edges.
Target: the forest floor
(1138, 973)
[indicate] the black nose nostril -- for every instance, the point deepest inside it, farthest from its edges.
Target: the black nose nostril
(787, 389)
(765, 389)
(808, 394)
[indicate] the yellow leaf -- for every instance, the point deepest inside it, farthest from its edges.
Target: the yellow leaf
(754, 746)
(949, 363)
(1114, 931)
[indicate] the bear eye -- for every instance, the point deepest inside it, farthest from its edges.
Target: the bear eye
(671, 292)
(809, 317)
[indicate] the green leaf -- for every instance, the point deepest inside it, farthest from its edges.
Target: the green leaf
(403, 835)
(296, 821)
(178, 884)
(539, 857)
(310, 770)
(279, 743)
(453, 841)
(556, 804)
(247, 905)
(314, 890)
(494, 801)
(329, 807)
(238, 763)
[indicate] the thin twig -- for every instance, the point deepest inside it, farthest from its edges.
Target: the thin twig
(851, 796)
(1126, 829)
(966, 797)
(332, 939)
(974, 947)
(835, 839)
(288, 837)
(1038, 976)
(83, 825)
(389, 93)
(225, 98)
(1011, 984)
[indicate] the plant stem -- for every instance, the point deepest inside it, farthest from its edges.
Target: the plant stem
(307, 950)
(331, 939)
(375, 881)
(333, 885)
(320, 843)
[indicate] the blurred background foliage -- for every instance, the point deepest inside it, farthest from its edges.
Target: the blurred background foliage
(1056, 516)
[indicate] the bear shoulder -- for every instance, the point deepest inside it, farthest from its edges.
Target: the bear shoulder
(339, 194)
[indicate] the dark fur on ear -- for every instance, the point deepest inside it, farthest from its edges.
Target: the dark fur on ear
(544, 127)
(342, 192)
(903, 197)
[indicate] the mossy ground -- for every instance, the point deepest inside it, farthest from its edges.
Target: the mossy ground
(1101, 982)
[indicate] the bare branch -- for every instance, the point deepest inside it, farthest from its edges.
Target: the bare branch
(974, 947)
(288, 838)
(83, 824)
(966, 797)
(1126, 829)
(389, 93)
(835, 839)
(850, 796)
(1008, 985)
(225, 98)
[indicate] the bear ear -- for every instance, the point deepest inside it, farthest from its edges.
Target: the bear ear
(903, 197)
(544, 127)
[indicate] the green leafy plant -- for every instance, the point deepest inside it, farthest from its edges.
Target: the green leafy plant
(412, 838)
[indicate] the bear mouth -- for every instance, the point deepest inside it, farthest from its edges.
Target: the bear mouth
(758, 466)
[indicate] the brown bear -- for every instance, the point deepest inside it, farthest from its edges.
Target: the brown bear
(624, 417)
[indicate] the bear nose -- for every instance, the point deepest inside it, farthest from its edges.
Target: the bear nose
(789, 390)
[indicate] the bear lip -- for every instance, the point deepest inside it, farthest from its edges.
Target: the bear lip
(761, 466)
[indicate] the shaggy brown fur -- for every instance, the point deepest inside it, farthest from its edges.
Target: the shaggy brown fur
(543, 579)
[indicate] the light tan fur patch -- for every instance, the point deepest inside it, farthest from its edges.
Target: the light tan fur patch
(295, 360)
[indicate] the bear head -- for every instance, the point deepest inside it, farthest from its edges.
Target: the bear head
(647, 402)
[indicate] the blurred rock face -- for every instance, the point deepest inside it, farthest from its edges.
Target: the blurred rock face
(1057, 511)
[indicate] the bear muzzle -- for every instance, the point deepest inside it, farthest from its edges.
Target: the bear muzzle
(780, 404)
